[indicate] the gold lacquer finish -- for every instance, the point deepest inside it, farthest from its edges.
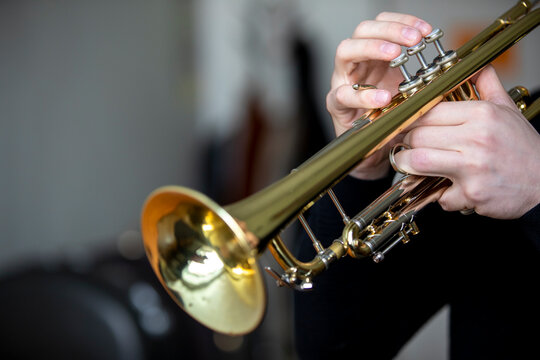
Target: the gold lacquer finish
(203, 258)
(205, 255)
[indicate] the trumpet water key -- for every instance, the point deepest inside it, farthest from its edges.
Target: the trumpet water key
(205, 255)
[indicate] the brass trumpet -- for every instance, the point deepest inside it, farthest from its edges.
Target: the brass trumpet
(205, 255)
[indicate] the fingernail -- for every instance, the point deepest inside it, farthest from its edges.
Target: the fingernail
(382, 97)
(423, 27)
(409, 33)
(390, 48)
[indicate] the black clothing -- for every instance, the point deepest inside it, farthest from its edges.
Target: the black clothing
(487, 270)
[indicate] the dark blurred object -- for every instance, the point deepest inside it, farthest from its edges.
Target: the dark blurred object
(312, 136)
(237, 165)
(111, 308)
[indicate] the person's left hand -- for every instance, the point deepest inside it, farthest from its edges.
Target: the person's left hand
(486, 148)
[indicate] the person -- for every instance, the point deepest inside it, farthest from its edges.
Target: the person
(485, 266)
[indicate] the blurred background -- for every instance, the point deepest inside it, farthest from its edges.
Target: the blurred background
(103, 101)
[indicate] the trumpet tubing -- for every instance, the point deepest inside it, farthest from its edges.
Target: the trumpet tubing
(205, 255)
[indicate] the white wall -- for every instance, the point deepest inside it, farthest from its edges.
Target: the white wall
(95, 112)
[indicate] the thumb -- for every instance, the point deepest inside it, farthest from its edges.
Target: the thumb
(490, 88)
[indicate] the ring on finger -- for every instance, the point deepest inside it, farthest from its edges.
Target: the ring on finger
(396, 148)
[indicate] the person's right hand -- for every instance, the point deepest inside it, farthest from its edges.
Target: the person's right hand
(364, 59)
(486, 148)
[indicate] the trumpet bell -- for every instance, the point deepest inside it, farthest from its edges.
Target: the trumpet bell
(204, 259)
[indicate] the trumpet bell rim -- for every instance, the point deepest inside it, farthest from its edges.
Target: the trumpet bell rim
(204, 259)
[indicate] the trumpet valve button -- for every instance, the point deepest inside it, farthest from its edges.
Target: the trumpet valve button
(413, 50)
(417, 50)
(433, 37)
(410, 86)
(399, 61)
(436, 34)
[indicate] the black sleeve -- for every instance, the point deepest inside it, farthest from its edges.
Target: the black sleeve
(529, 224)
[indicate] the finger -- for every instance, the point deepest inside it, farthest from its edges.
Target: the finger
(490, 88)
(345, 98)
(375, 40)
(453, 199)
(352, 51)
(410, 20)
(448, 113)
(436, 137)
(391, 31)
(430, 162)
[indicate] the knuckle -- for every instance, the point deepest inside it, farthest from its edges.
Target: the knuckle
(484, 112)
(479, 162)
(474, 192)
(396, 28)
(341, 51)
(484, 126)
(340, 95)
(485, 140)
(382, 15)
(361, 27)
(413, 137)
(446, 202)
(443, 202)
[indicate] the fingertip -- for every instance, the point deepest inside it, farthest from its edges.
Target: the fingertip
(423, 27)
(403, 162)
(381, 97)
(411, 35)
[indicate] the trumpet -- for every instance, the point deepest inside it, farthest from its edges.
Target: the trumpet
(205, 255)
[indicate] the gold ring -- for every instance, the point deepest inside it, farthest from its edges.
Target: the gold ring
(399, 146)
(363, 87)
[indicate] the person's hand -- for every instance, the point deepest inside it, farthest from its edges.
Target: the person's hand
(364, 59)
(486, 148)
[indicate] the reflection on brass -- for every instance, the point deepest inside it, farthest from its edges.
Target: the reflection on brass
(363, 87)
(205, 255)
